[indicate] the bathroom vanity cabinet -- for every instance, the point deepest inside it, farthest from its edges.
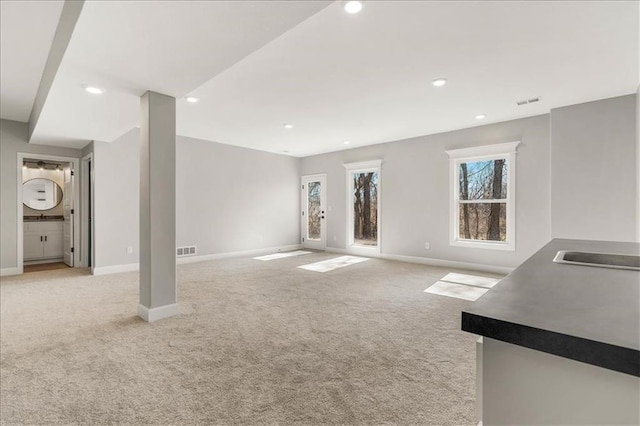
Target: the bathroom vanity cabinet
(43, 240)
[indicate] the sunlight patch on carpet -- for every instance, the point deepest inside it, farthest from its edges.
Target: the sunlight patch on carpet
(335, 263)
(282, 255)
(460, 291)
(453, 277)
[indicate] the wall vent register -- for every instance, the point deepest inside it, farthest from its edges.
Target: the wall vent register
(186, 251)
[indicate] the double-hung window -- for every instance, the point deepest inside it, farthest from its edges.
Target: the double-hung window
(483, 196)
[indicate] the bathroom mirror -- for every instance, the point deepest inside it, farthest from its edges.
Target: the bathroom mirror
(41, 194)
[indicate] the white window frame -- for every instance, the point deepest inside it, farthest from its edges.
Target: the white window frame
(362, 167)
(506, 151)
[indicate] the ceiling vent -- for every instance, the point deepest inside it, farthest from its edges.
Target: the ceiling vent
(528, 101)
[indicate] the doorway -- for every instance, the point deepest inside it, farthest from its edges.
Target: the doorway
(47, 233)
(314, 196)
(87, 254)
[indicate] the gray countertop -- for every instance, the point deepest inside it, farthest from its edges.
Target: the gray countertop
(586, 313)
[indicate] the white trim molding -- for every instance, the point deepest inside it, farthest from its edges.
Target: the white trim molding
(6, 272)
(161, 312)
(478, 267)
(505, 151)
(363, 165)
(114, 269)
(21, 156)
(484, 150)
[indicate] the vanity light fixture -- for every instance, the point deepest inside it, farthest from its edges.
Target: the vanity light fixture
(481, 116)
(346, 142)
(439, 82)
(94, 90)
(24, 165)
(287, 126)
(353, 7)
(41, 165)
(192, 99)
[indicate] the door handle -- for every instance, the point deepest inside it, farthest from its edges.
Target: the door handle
(45, 238)
(321, 217)
(41, 238)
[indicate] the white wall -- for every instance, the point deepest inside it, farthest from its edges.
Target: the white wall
(13, 139)
(228, 199)
(593, 170)
(116, 200)
(576, 174)
(233, 199)
(638, 164)
(415, 191)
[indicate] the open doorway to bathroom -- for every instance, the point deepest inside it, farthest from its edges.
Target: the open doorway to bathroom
(47, 200)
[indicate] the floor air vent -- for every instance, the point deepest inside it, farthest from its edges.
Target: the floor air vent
(186, 251)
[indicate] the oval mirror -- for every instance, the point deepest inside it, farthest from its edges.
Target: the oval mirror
(41, 194)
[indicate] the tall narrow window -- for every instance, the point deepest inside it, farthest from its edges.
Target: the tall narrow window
(363, 205)
(483, 196)
(365, 208)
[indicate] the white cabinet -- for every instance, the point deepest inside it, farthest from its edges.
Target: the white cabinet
(42, 240)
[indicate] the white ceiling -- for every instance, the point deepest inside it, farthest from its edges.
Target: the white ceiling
(365, 78)
(26, 31)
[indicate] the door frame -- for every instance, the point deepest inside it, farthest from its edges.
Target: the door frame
(306, 243)
(87, 177)
(75, 162)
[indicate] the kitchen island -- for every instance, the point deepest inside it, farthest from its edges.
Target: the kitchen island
(561, 342)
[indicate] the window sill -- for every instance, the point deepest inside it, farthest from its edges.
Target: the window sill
(484, 245)
(363, 250)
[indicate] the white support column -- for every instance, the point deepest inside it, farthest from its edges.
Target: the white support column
(158, 297)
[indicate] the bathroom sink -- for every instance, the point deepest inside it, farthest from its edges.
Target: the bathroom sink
(599, 260)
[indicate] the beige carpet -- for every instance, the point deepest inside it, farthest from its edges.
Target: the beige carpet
(256, 343)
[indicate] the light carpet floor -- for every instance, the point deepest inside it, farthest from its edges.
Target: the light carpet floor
(256, 343)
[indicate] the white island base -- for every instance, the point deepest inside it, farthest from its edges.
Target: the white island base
(524, 386)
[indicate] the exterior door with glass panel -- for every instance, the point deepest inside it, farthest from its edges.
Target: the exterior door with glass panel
(314, 196)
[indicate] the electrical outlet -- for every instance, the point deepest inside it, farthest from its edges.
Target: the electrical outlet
(129, 250)
(427, 246)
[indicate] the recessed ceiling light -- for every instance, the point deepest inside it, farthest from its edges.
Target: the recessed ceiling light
(192, 99)
(481, 117)
(353, 7)
(94, 90)
(287, 126)
(346, 142)
(439, 82)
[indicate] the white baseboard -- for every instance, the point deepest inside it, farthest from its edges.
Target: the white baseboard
(5, 272)
(433, 262)
(42, 262)
(114, 269)
(205, 257)
(402, 258)
(103, 270)
(155, 314)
